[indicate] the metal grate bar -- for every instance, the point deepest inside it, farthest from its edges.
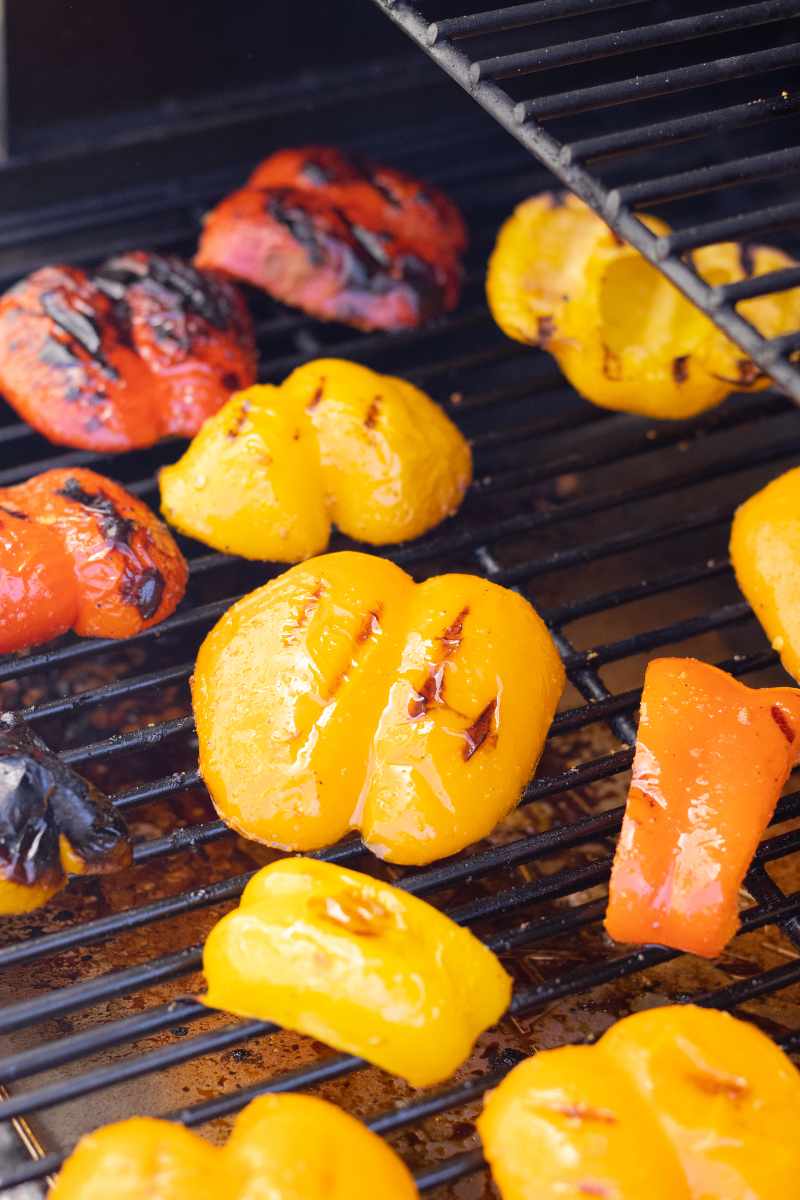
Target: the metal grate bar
(712, 122)
(707, 179)
(518, 16)
(628, 41)
(659, 83)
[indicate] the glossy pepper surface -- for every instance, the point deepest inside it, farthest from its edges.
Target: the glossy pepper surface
(624, 336)
(145, 347)
(712, 756)
(53, 822)
(343, 695)
(341, 237)
(358, 964)
(286, 1147)
(336, 442)
(765, 552)
(676, 1103)
(77, 551)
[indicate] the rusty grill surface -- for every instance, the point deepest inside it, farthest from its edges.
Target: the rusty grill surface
(615, 528)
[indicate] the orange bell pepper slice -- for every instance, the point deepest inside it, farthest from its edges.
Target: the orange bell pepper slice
(712, 756)
(287, 1147)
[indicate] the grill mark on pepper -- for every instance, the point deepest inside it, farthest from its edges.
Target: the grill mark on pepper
(371, 625)
(612, 368)
(306, 613)
(189, 290)
(372, 242)
(545, 328)
(734, 1087)
(360, 915)
(315, 173)
(299, 224)
(14, 512)
(585, 1112)
(79, 327)
(587, 1188)
(431, 691)
(782, 721)
(143, 589)
(680, 368)
(118, 529)
(478, 732)
(57, 354)
(373, 412)
(239, 420)
(318, 394)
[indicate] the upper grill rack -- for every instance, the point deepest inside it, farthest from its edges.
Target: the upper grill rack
(543, 516)
(457, 44)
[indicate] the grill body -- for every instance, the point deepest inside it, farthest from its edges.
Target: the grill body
(615, 528)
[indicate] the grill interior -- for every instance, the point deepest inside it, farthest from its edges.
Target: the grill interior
(617, 531)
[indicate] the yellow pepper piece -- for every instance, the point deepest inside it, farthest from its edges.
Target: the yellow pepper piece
(358, 964)
(676, 1103)
(623, 335)
(336, 442)
(765, 551)
(286, 1147)
(342, 695)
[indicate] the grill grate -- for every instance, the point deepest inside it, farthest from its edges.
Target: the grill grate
(95, 1021)
(574, 153)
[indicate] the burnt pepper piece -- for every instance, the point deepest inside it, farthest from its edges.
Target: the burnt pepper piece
(52, 822)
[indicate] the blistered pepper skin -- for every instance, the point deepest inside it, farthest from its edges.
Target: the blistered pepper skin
(676, 1103)
(286, 1147)
(335, 443)
(712, 756)
(358, 964)
(343, 695)
(765, 552)
(78, 551)
(623, 335)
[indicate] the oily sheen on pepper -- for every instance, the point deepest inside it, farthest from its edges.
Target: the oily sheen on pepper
(675, 1103)
(342, 695)
(358, 964)
(712, 756)
(287, 1147)
(335, 443)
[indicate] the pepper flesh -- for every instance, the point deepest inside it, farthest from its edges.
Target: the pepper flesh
(358, 964)
(336, 442)
(77, 551)
(342, 695)
(765, 552)
(712, 756)
(623, 335)
(341, 238)
(676, 1103)
(145, 347)
(53, 822)
(285, 1147)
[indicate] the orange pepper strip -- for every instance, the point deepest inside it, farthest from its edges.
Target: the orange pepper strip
(711, 759)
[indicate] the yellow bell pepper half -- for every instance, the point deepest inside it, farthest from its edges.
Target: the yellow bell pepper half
(676, 1103)
(268, 474)
(342, 695)
(623, 335)
(358, 964)
(286, 1147)
(765, 551)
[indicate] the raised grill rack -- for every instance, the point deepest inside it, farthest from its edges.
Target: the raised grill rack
(458, 44)
(616, 529)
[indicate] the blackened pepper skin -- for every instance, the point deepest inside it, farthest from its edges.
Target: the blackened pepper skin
(342, 238)
(79, 552)
(52, 822)
(146, 347)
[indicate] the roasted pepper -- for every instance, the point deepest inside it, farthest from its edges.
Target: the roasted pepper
(335, 442)
(358, 964)
(342, 695)
(53, 822)
(712, 756)
(676, 1103)
(79, 552)
(341, 237)
(286, 1147)
(765, 551)
(624, 336)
